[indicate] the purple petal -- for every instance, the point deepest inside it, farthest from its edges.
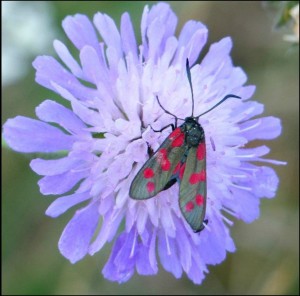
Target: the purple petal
(247, 110)
(120, 255)
(193, 37)
(54, 166)
(143, 265)
(29, 135)
(129, 44)
(184, 247)
(109, 32)
(195, 273)
(157, 26)
(51, 111)
(93, 68)
(49, 72)
(81, 32)
(60, 184)
(167, 251)
(246, 207)
(266, 182)
(212, 243)
(87, 115)
(62, 204)
(65, 55)
(265, 128)
(217, 54)
(109, 228)
(76, 237)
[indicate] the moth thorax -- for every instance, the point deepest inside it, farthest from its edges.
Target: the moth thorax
(194, 132)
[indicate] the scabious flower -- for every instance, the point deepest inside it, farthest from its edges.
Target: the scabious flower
(107, 129)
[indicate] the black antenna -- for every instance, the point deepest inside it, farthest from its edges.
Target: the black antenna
(224, 99)
(188, 72)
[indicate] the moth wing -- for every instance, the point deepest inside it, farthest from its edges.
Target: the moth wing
(192, 196)
(159, 169)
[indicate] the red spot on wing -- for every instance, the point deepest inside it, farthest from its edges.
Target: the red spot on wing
(163, 160)
(198, 177)
(150, 187)
(148, 173)
(199, 200)
(176, 132)
(165, 164)
(189, 206)
(201, 151)
(178, 142)
(163, 152)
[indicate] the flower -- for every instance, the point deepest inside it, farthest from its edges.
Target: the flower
(107, 132)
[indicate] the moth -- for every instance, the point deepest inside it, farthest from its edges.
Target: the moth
(180, 158)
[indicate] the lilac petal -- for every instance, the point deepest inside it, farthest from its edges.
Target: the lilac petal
(59, 184)
(129, 44)
(53, 166)
(93, 68)
(195, 274)
(76, 237)
(248, 153)
(216, 55)
(120, 255)
(160, 20)
(29, 135)
(49, 69)
(236, 78)
(266, 182)
(266, 128)
(193, 37)
(247, 110)
(155, 34)
(152, 252)
(109, 32)
(184, 246)
(65, 55)
(246, 207)
(143, 265)
(62, 204)
(49, 72)
(51, 111)
(166, 15)
(87, 115)
(109, 228)
(212, 244)
(167, 251)
(81, 32)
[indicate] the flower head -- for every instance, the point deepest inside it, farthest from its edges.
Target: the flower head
(108, 129)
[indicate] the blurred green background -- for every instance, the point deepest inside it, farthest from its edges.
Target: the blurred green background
(267, 256)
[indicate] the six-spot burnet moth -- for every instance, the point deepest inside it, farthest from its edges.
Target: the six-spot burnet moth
(180, 158)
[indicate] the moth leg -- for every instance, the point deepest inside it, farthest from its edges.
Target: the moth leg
(171, 124)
